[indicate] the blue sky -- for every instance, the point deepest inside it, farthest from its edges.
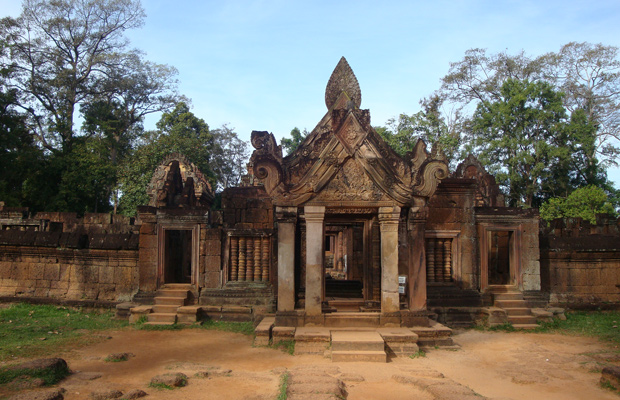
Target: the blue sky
(263, 65)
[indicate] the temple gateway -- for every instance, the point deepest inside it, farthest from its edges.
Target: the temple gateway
(343, 235)
(343, 232)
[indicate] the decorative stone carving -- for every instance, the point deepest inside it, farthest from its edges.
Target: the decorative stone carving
(488, 193)
(343, 80)
(178, 182)
(343, 159)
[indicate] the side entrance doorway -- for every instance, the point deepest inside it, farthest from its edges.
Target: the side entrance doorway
(178, 254)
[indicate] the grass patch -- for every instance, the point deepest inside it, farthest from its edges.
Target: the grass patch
(161, 386)
(608, 386)
(418, 354)
(287, 346)
(245, 328)
(283, 386)
(144, 327)
(28, 330)
(600, 324)
(49, 376)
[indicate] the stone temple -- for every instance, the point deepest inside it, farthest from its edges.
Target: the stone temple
(341, 234)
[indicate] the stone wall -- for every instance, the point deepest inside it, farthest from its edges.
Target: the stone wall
(580, 262)
(60, 256)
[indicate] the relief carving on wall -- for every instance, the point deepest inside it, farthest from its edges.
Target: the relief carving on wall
(344, 159)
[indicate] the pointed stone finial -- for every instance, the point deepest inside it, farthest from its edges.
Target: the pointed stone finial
(343, 80)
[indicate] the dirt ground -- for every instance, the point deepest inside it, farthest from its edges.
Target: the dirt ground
(494, 365)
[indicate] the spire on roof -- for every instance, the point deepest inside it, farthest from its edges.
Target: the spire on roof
(343, 80)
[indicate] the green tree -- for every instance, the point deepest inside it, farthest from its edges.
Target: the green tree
(430, 125)
(588, 74)
(291, 144)
(230, 157)
(521, 136)
(177, 131)
(585, 202)
(60, 52)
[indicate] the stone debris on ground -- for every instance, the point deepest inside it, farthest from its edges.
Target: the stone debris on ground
(435, 383)
(173, 380)
(49, 394)
(117, 357)
(316, 383)
(106, 394)
(134, 394)
(611, 376)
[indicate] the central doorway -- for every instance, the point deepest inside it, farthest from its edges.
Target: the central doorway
(178, 256)
(345, 264)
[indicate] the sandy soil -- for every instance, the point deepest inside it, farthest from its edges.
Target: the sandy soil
(494, 365)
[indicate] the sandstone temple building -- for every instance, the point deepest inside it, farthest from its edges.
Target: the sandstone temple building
(342, 232)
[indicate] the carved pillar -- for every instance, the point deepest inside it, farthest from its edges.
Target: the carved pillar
(340, 251)
(249, 253)
(264, 261)
(314, 216)
(388, 221)
(234, 258)
(447, 260)
(242, 260)
(286, 218)
(416, 224)
(257, 259)
(430, 259)
(439, 260)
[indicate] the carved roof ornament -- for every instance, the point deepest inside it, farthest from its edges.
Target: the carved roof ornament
(343, 161)
(177, 182)
(488, 193)
(343, 80)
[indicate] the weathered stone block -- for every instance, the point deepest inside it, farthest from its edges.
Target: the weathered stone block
(106, 274)
(51, 272)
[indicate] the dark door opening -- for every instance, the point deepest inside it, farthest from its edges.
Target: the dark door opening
(178, 256)
(499, 257)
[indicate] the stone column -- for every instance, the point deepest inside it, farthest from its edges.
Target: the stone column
(388, 222)
(286, 218)
(416, 223)
(314, 216)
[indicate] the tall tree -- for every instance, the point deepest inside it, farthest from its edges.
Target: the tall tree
(60, 51)
(523, 135)
(230, 157)
(588, 74)
(431, 125)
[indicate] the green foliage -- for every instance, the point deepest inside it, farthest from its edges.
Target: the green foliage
(245, 328)
(283, 386)
(600, 324)
(287, 346)
(584, 203)
(526, 139)
(418, 354)
(177, 131)
(23, 326)
(291, 144)
(430, 125)
(49, 376)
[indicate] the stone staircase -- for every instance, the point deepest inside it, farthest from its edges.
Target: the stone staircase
(511, 300)
(168, 300)
(357, 346)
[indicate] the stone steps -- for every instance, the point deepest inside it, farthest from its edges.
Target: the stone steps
(353, 319)
(168, 301)
(350, 346)
(517, 311)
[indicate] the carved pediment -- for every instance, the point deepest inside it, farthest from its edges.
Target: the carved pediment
(488, 193)
(344, 159)
(177, 182)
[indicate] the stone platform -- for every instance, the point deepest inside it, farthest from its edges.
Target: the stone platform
(355, 343)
